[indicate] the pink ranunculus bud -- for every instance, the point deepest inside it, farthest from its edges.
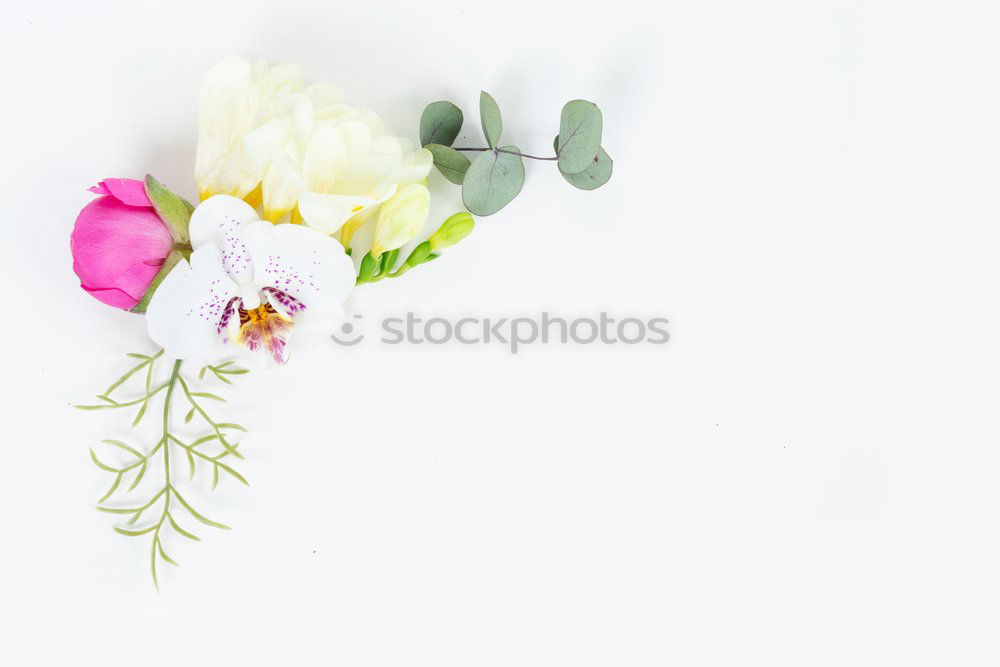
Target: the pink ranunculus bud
(119, 243)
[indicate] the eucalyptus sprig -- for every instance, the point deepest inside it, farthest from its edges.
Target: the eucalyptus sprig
(495, 177)
(167, 500)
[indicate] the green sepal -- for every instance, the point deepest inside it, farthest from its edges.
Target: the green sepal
(174, 210)
(420, 254)
(388, 261)
(169, 263)
(367, 269)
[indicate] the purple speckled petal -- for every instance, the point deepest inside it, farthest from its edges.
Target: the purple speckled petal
(298, 267)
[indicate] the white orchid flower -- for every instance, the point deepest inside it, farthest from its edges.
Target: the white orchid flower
(248, 281)
(297, 150)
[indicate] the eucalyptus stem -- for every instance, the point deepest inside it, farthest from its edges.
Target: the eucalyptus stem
(503, 150)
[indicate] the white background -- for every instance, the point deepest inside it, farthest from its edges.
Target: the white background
(807, 474)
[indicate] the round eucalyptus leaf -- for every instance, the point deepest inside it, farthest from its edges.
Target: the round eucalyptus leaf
(449, 162)
(489, 117)
(594, 176)
(493, 180)
(440, 123)
(580, 129)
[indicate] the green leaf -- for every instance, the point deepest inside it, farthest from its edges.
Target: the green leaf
(118, 480)
(489, 116)
(169, 263)
(205, 394)
(172, 209)
(205, 520)
(233, 473)
(117, 510)
(163, 554)
(138, 477)
(139, 414)
(135, 533)
(231, 425)
(580, 129)
(440, 123)
(594, 176)
(100, 465)
(493, 180)
(118, 443)
(181, 531)
(449, 162)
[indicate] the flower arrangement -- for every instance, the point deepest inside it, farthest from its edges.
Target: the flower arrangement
(287, 175)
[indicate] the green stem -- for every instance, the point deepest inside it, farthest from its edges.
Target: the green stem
(174, 377)
(502, 150)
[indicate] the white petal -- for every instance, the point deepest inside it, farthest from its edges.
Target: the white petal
(187, 308)
(301, 262)
(218, 221)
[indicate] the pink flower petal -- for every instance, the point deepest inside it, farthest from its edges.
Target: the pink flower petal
(118, 247)
(126, 190)
(112, 297)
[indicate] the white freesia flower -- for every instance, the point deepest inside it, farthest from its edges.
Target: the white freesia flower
(297, 150)
(248, 281)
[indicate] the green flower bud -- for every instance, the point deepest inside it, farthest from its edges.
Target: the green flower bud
(368, 266)
(419, 254)
(452, 230)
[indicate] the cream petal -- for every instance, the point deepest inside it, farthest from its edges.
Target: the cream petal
(327, 213)
(282, 184)
(416, 167)
(387, 145)
(356, 135)
(368, 175)
(185, 316)
(324, 94)
(228, 107)
(325, 157)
